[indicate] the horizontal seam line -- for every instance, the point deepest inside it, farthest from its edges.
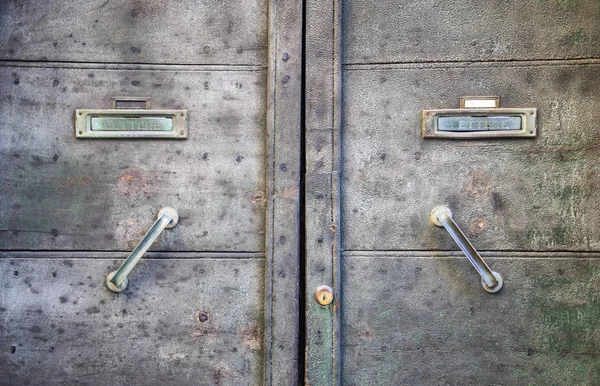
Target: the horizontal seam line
(129, 66)
(522, 251)
(145, 258)
(500, 61)
(117, 251)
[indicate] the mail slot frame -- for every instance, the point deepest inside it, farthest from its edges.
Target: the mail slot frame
(83, 124)
(429, 119)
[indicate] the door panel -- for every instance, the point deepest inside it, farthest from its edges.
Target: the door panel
(428, 322)
(408, 308)
(508, 194)
(181, 321)
(422, 31)
(68, 193)
(215, 301)
(133, 31)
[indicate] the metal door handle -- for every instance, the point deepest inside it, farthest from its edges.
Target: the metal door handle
(116, 281)
(490, 280)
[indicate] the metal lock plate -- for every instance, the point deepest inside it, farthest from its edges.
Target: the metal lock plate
(324, 295)
(479, 117)
(131, 118)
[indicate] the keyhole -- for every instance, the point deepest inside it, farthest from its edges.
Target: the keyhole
(323, 295)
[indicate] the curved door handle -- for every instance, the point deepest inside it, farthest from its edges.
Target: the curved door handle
(490, 280)
(116, 281)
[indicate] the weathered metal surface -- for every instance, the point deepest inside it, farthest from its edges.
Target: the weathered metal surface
(284, 239)
(422, 31)
(521, 194)
(322, 122)
(235, 183)
(402, 324)
(62, 193)
(180, 322)
(132, 31)
(430, 324)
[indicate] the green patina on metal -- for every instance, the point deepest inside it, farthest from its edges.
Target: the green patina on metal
(575, 38)
(570, 321)
(564, 314)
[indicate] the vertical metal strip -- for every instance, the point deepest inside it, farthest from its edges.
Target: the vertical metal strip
(284, 125)
(336, 187)
(269, 175)
(322, 188)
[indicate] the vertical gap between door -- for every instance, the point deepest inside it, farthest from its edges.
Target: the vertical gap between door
(302, 213)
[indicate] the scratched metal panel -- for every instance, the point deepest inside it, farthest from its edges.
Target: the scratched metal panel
(133, 31)
(387, 31)
(414, 320)
(63, 193)
(180, 322)
(516, 194)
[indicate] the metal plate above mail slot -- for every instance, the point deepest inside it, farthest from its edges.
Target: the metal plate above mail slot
(122, 122)
(489, 122)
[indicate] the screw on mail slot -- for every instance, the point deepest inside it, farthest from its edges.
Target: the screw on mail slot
(131, 118)
(479, 117)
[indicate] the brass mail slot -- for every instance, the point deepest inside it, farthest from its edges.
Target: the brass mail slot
(479, 122)
(120, 122)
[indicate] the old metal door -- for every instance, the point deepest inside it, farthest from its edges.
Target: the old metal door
(215, 300)
(409, 309)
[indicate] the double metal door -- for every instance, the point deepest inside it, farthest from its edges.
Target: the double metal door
(305, 249)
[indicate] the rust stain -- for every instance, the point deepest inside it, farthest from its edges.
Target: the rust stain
(257, 197)
(477, 226)
(478, 184)
(251, 337)
(75, 181)
(133, 182)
